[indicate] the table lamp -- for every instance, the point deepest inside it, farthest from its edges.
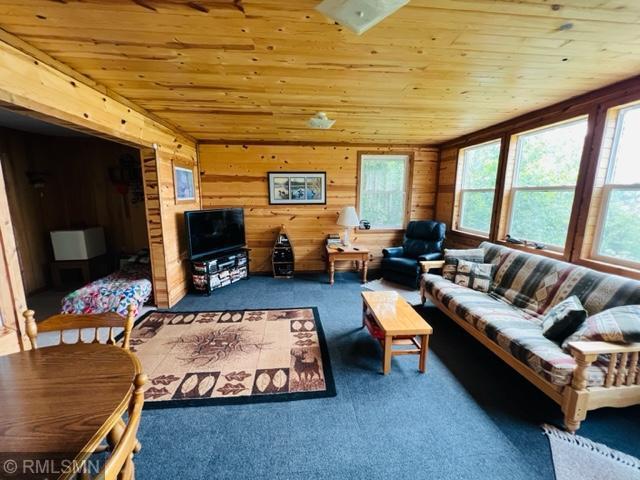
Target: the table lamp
(348, 218)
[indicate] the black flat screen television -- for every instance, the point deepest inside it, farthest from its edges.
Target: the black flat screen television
(214, 231)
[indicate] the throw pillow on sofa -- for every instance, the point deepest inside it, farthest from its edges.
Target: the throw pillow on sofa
(563, 319)
(618, 325)
(451, 258)
(474, 275)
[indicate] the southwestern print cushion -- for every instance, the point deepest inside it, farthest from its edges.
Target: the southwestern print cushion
(451, 258)
(563, 319)
(474, 275)
(618, 325)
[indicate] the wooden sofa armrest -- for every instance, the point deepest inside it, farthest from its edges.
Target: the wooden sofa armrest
(427, 265)
(623, 364)
(601, 348)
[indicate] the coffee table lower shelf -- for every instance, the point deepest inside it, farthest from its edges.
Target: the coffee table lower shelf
(387, 342)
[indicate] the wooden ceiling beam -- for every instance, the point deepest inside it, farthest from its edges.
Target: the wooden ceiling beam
(33, 87)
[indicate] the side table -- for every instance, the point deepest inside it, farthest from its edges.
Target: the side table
(350, 253)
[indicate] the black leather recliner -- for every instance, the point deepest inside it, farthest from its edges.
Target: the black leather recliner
(423, 240)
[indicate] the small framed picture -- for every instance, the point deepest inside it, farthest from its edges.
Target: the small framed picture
(297, 188)
(185, 187)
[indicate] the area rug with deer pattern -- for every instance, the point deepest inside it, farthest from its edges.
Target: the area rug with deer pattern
(204, 358)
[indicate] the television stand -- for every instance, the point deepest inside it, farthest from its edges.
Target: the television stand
(219, 270)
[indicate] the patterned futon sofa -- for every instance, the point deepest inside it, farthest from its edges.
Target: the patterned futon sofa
(508, 321)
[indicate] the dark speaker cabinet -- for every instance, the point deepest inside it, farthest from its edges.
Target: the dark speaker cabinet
(283, 258)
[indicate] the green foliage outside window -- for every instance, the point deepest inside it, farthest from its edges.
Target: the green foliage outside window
(621, 226)
(546, 158)
(479, 170)
(542, 216)
(382, 190)
(480, 166)
(476, 210)
(550, 157)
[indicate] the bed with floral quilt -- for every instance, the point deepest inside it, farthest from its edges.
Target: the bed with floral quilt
(113, 293)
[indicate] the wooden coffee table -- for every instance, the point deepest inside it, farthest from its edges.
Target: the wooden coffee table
(392, 321)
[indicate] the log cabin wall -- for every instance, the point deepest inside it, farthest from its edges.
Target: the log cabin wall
(171, 213)
(593, 104)
(75, 191)
(152, 202)
(25, 207)
(35, 84)
(12, 298)
(236, 176)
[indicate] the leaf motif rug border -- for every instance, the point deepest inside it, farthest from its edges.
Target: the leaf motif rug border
(329, 392)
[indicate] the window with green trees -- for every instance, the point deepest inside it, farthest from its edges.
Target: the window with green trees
(619, 225)
(478, 167)
(383, 190)
(546, 170)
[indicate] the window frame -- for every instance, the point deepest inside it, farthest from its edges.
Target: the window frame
(407, 193)
(514, 189)
(460, 190)
(607, 189)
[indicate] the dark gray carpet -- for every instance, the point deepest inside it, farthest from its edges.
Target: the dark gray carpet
(469, 417)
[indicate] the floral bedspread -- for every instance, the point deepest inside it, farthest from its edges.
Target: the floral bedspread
(113, 293)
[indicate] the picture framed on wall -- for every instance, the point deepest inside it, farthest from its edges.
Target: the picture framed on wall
(297, 188)
(184, 183)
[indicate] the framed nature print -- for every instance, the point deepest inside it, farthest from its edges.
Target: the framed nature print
(297, 188)
(185, 187)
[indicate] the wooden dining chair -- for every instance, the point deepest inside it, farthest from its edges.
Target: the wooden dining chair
(124, 442)
(66, 322)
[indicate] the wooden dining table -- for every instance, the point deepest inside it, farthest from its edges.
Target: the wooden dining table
(60, 403)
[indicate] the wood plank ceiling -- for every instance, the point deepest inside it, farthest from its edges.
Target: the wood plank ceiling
(256, 70)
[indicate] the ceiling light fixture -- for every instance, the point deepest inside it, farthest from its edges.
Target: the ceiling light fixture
(359, 15)
(320, 121)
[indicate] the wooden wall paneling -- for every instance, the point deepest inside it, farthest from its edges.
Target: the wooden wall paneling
(124, 221)
(592, 192)
(506, 191)
(447, 171)
(31, 86)
(502, 177)
(154, 226)
(174, 237)
(424, 178)
(12, 297)
(26, 206)
(80, 163)
(94, 200)
(585, 180)
(457, 185)
(236, 175)
(165, 220)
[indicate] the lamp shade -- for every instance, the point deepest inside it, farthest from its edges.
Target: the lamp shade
(348, 217)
